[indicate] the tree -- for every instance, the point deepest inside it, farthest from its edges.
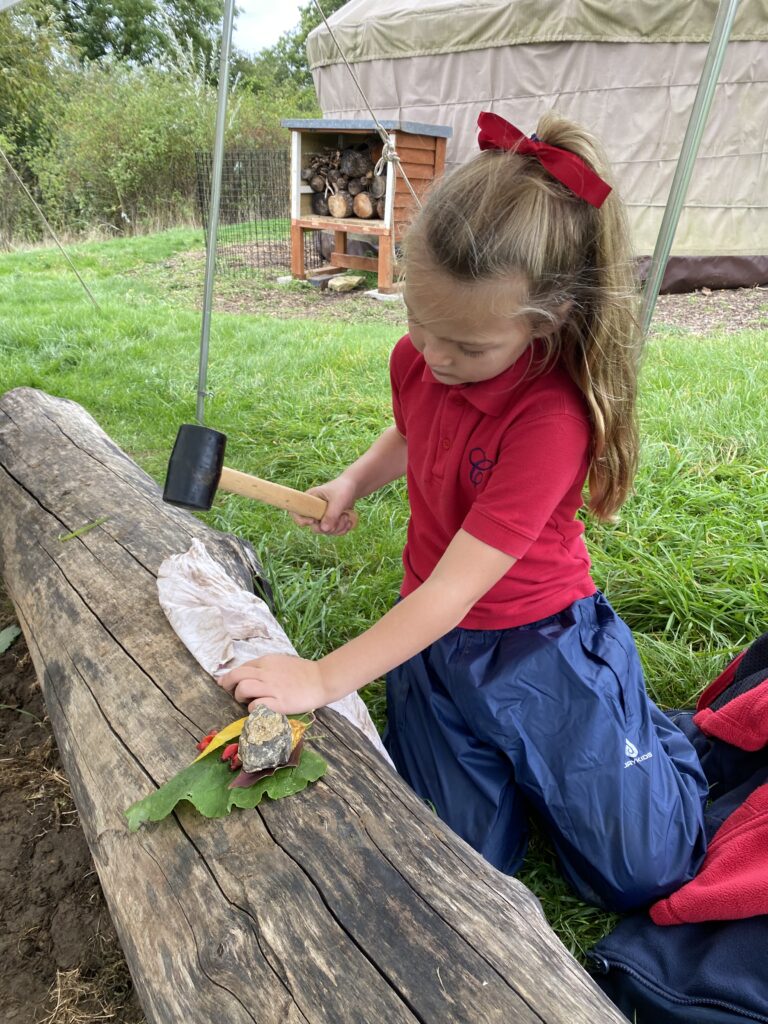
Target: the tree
(291, 48)
(284, 68)
(34, 75)
(34, 63)
(142, 31)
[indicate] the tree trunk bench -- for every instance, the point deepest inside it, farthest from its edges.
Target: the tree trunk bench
(348, 902)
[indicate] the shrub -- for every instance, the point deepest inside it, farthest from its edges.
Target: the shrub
(121, 151)
(122, 156)
(18, 219)
(34, 69)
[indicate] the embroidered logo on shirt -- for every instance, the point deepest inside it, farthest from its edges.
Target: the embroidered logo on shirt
(480, 465)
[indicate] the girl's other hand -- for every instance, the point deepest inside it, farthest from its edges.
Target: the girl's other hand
(338, 518)
(283, 682)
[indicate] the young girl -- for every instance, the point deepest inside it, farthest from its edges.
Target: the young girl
(512, 685)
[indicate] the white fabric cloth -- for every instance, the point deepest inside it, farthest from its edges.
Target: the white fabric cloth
(222, 625)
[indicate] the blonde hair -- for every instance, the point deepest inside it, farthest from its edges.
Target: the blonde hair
(503, 214)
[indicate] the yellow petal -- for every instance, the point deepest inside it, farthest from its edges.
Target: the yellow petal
(227, 734)
(298, 729)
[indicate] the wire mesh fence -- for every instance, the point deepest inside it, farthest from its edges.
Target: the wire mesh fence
(254, 213)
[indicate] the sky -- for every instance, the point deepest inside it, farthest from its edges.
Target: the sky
(260, 23)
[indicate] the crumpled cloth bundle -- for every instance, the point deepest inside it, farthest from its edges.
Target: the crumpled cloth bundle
(222, 625)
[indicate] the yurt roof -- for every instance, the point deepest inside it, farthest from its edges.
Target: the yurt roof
(376, 29)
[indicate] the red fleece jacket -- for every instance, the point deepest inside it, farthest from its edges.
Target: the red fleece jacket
(743, 721)
(733, 879)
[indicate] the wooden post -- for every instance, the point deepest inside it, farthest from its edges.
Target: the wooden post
(440, 145)
(340, 242)
(348, 903)
(297, 251)
(386, 264)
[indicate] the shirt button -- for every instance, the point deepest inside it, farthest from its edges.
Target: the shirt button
(446, 443)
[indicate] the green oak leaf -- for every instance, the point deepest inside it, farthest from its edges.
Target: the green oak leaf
(205, 784)
(7, 637)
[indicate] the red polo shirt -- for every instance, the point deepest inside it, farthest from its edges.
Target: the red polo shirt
(506, 460)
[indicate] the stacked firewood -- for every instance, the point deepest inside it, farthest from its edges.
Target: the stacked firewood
(344, 183)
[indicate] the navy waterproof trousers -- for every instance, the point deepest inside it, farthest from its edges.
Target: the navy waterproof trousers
(553, 717)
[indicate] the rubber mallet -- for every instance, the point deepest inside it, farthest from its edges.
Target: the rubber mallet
(196, 469)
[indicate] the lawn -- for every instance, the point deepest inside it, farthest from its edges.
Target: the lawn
(299, 395)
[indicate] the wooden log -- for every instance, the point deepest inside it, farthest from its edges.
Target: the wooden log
(378, 185)
(364, 205)
(340, 204)
(318, 182)
(349, 903)
(356, 160)
(356, 185)
(381, 205)
(319, 202)
(337, 179)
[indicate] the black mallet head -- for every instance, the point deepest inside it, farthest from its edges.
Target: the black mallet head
(194, 467)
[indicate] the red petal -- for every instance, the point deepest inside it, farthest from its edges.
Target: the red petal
(206, 740)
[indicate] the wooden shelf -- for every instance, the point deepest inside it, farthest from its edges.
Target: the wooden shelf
(354, 225)
(422, 154)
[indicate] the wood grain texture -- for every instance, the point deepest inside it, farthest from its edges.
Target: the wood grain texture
(411, 155)
(405, 139)
(349, 902)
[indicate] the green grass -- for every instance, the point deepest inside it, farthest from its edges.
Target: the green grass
(298, 398)
(277, 229)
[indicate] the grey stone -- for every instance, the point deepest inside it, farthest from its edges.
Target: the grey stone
(345, 283)
(374, 293)
(266, 739)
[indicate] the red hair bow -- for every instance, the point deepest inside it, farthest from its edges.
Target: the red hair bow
(496, 133)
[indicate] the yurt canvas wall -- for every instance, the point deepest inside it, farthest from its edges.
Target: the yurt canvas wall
(627, 69)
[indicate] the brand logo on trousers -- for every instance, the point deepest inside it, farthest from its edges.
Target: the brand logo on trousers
(634, 755)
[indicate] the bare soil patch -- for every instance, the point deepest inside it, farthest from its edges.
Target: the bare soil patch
(258, 292)
(60, 960)
(263, 293)
(708, 312)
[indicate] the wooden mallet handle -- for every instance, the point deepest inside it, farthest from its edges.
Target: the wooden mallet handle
(196, 468)
(291, 500)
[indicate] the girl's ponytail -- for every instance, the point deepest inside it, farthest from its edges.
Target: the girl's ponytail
(600, 340)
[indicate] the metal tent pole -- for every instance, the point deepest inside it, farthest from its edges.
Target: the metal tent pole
(726, 12)
(213, 208)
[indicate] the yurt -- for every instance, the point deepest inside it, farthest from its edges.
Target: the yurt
(627, 69)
